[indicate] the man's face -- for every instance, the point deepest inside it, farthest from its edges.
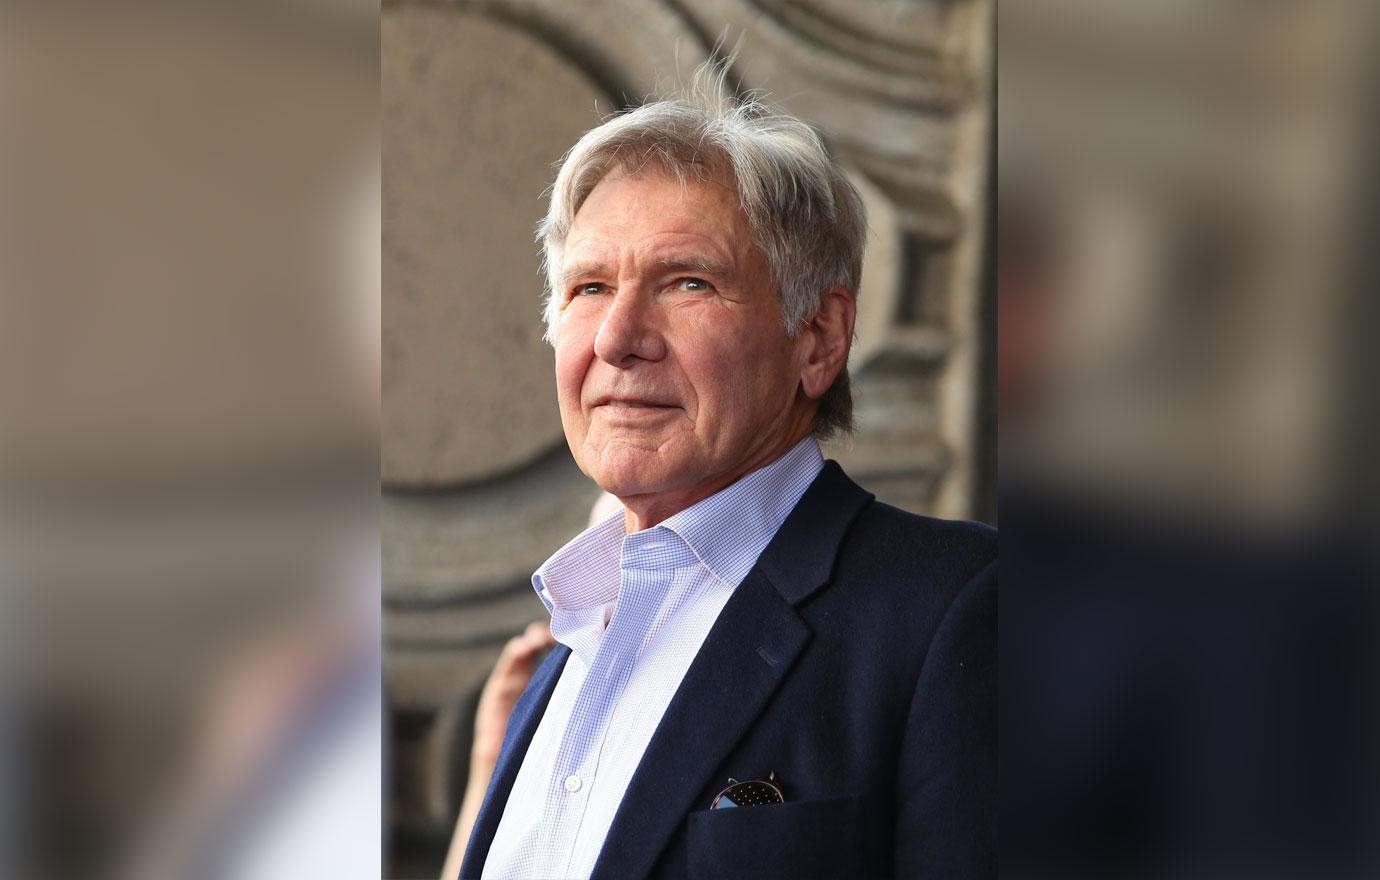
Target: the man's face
(674, 373)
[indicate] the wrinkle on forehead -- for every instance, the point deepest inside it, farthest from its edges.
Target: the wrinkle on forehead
(700, 228)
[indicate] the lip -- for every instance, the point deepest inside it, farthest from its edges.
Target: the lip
(633, 413)
(632, 403)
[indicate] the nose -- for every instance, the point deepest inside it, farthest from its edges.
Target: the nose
(629, 330)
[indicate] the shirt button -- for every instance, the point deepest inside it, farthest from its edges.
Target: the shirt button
(572, 784)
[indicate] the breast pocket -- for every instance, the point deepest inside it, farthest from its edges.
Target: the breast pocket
(796, 839)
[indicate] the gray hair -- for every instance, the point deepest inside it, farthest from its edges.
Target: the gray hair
(807, 219)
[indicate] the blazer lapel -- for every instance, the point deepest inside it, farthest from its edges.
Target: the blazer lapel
(522, 725)
(744, 659)
(742, 662)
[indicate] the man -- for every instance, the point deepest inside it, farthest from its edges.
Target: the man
(752, 617)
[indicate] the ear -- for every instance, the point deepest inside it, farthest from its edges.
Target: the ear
(825, 342)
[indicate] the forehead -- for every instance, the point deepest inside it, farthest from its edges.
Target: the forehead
(652, 209)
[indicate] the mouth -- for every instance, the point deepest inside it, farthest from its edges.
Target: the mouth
(633, 411)
(632, 403)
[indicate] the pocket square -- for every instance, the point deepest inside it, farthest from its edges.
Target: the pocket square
(752, 793)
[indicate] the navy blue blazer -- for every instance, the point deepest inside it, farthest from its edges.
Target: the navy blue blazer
(857, 661)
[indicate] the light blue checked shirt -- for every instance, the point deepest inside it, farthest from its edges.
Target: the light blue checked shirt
(634, 610)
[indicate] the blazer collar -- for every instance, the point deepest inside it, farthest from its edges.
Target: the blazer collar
(800, 559)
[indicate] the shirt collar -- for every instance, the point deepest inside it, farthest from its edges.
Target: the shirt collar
(583, 573)
(726, 531)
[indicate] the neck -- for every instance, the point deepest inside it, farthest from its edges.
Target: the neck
(648, 511)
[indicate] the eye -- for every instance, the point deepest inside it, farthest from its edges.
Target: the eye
(590, 289)
(694, 285)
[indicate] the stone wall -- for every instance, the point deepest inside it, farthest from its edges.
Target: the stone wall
(479, 100)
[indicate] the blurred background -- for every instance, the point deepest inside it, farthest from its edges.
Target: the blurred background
(188, 440)
(1186, 229)
(480, 101)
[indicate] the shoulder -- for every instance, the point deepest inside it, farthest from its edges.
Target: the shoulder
(907, 544)
(898, 575)
(900, 588)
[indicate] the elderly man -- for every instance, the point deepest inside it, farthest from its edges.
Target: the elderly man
(761, 670)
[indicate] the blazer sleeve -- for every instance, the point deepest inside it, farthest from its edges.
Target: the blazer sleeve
(946, 784)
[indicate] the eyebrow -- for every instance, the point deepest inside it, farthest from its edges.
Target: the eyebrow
(697, 264)
(581, 270)
(704, 265)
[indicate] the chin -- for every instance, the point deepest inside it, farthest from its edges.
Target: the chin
(629, 472)
(624, 483)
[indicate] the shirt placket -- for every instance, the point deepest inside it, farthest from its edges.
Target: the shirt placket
(572, 778)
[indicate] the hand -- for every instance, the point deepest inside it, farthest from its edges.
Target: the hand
(505, 684)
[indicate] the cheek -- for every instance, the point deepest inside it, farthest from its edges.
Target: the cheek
(749, 380)
(725, 377)
(570, 378)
